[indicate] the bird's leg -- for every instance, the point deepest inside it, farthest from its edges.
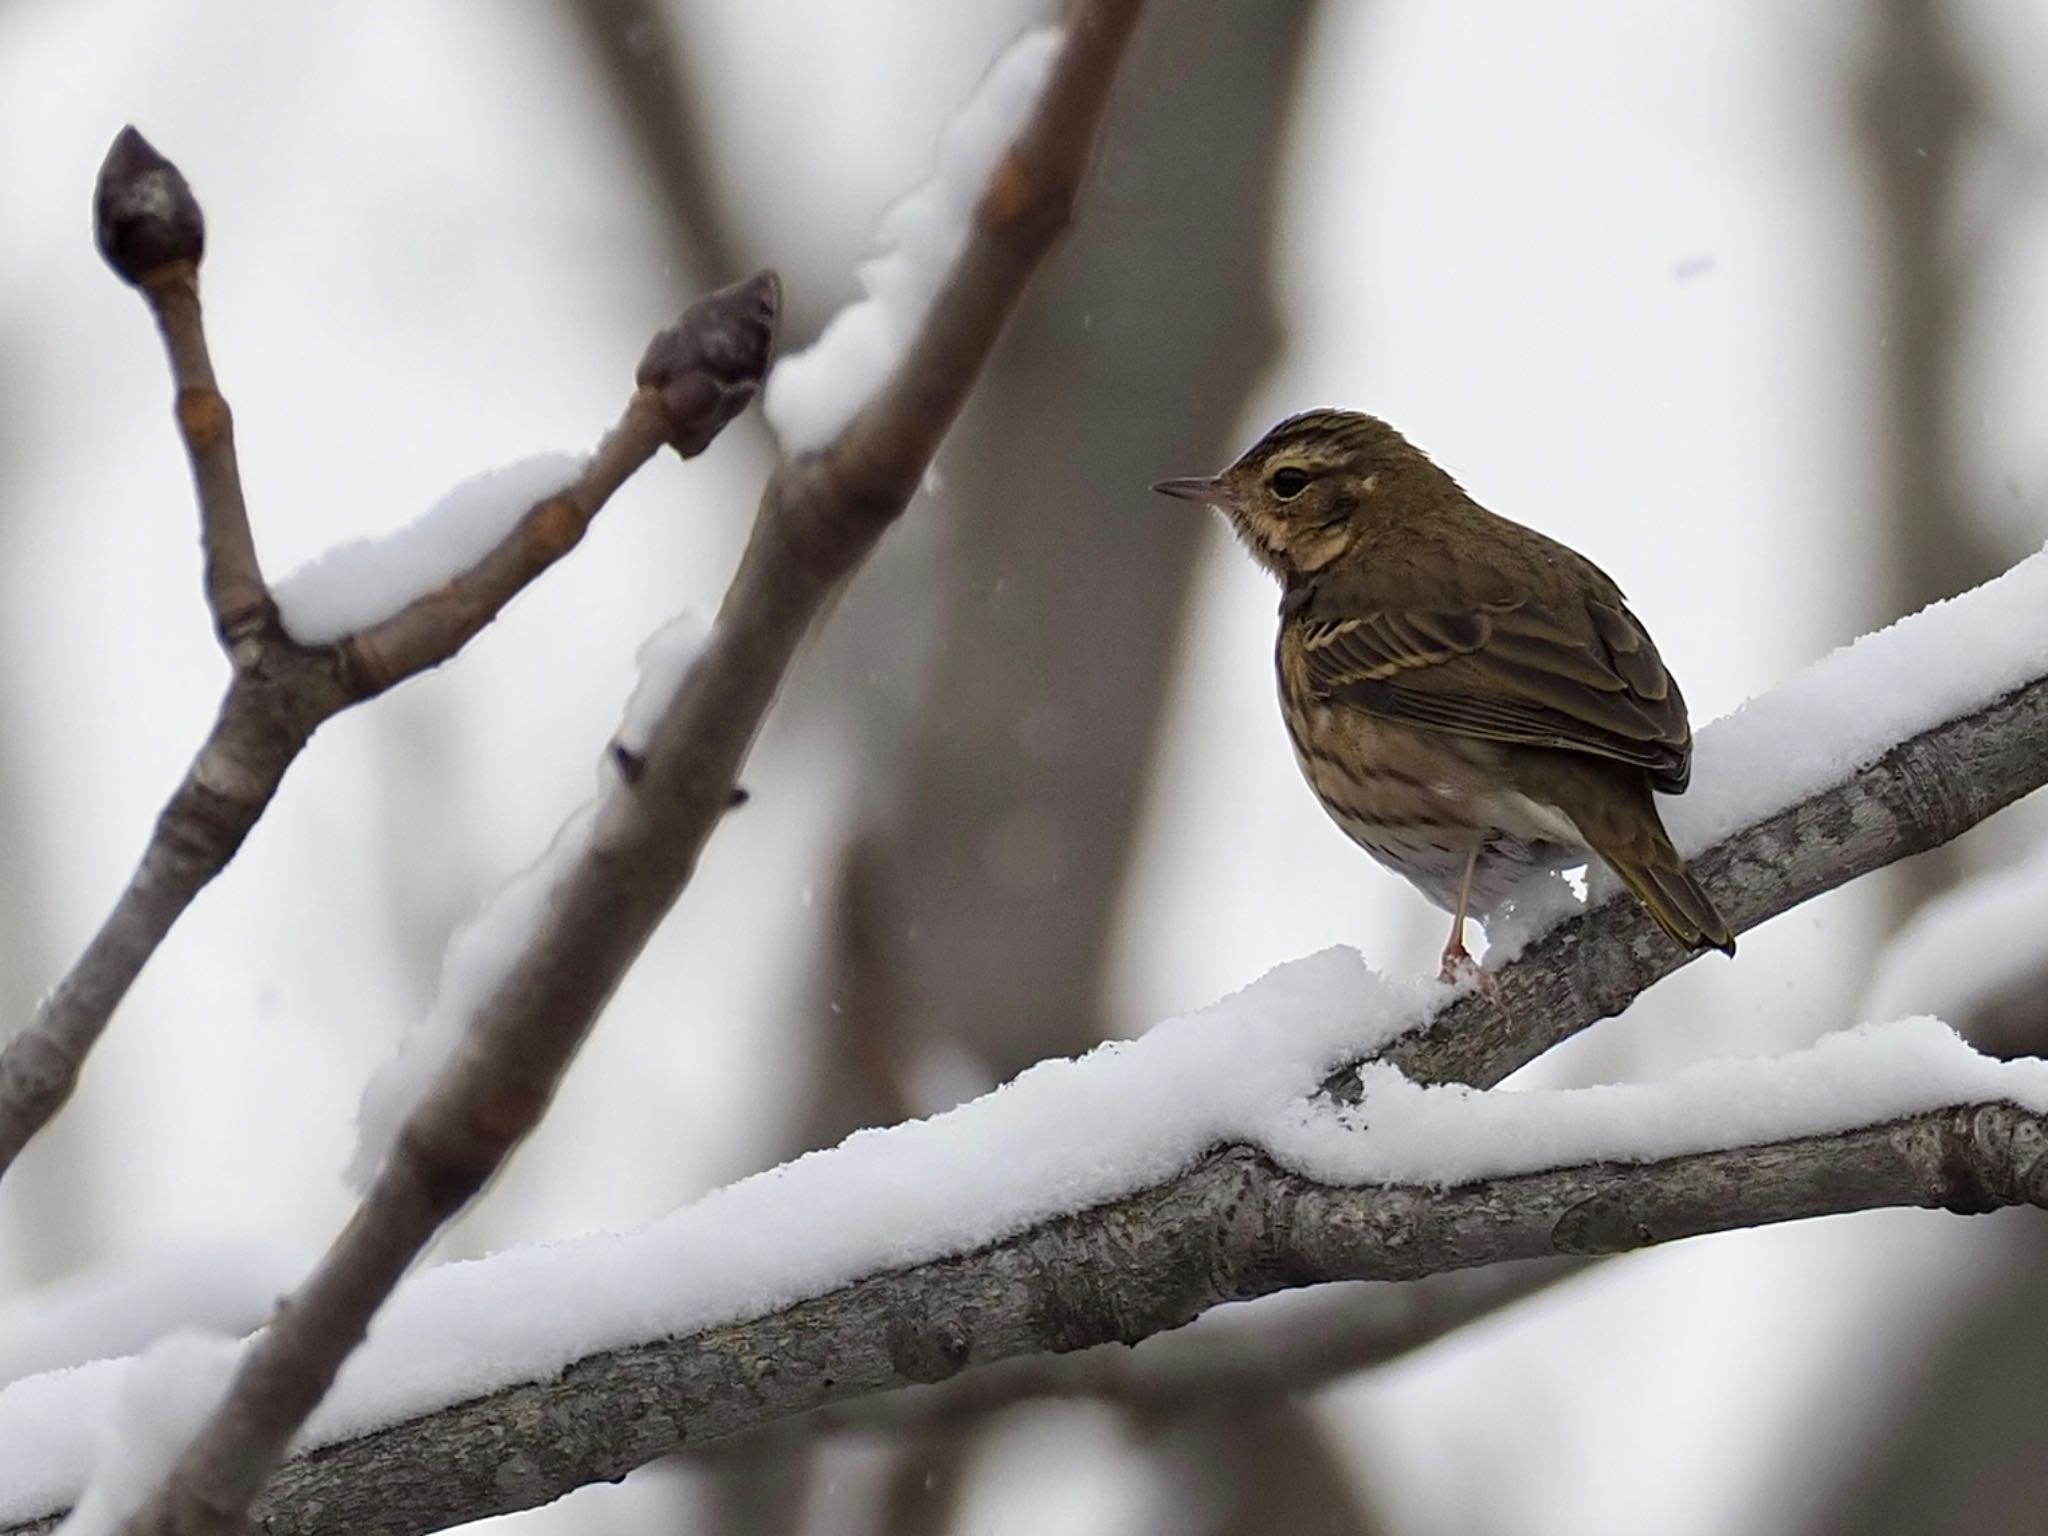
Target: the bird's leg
(1458, 961)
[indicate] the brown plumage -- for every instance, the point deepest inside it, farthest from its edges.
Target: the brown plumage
(1470, 700)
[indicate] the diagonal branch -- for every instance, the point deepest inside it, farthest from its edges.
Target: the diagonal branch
(617, 873)
(695, 377)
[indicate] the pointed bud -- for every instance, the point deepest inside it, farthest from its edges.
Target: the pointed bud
(710, 363)
(144, 215)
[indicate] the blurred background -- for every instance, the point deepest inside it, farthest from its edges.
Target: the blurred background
(1749, 301)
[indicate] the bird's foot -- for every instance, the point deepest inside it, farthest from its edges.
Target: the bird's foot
(1458, 965)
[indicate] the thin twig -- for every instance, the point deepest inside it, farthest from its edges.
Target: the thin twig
(150, 229)
(606, 1413)
(819, 517)
(695, 377)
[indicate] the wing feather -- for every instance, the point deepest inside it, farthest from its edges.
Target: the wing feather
(1583, 678)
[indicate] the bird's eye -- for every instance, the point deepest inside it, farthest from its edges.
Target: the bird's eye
(1288, 483)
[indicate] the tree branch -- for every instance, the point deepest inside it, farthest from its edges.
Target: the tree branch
(150, 229)
(819, 517)
(1235, 1227)
(692, 381)
(1289, 1345)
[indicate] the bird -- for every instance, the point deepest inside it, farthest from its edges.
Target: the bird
(1470, 700)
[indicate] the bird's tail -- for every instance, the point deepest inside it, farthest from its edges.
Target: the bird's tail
(1632, 841)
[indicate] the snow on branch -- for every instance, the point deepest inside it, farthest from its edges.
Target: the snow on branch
(359, 583)
(164, 1395)
(1085, 1202)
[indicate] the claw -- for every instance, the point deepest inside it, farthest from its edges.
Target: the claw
(1458, 965)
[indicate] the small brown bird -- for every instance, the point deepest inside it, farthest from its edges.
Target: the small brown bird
(1470, 700)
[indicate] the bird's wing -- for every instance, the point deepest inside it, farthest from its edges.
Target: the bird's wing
(1580, 677)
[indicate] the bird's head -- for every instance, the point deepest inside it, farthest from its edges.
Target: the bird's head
(1302, 495)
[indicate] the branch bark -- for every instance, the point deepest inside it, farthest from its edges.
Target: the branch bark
(1235, 1227)
(819, 517)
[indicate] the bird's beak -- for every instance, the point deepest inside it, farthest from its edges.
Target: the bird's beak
(1203, 488)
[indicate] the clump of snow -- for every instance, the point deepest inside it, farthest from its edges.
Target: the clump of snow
(1967, 947)
(479, 957)
(1846, 711)
(354, 585)
(1441, 1134)
(157, 1404)
(812, 394)
(118, 1309)
(1064, 1136)
(664, 660)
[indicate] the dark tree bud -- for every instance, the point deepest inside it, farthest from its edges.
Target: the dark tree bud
(710, 363)
(144, 215)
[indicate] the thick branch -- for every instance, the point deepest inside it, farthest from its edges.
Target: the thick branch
(1235, 1227)
(697, 374)
(819, 517)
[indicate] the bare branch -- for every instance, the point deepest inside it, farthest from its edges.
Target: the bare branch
(695, 377)
(819, 516)
(150, 229)
(1235, 1227)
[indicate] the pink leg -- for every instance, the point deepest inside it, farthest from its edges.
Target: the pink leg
(1458, 959)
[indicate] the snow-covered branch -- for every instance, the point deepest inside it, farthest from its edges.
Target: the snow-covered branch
(1238, 1225)
(1102, 1199)
(352, 625)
